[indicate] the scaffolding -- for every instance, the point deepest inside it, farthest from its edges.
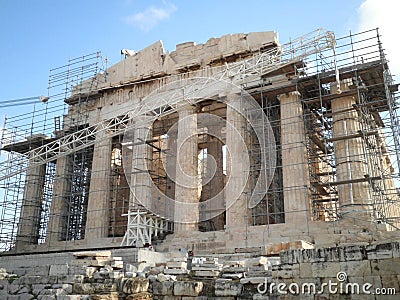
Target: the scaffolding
(46, 122)
(359, 58)
(72, 135)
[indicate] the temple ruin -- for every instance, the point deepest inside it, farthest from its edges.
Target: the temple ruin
(236, 145)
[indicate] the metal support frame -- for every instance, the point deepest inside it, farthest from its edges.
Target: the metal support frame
(142, 226)
(238, 73)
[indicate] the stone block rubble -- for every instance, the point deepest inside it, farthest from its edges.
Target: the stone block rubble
(101, 276)
(206, 267)
(91, 275)
(176, 264)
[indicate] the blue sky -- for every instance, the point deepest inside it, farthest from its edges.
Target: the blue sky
(38, 35)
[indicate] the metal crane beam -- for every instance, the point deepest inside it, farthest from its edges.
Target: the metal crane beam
(236, 73)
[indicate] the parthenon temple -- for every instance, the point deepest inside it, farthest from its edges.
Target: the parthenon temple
(237, 144)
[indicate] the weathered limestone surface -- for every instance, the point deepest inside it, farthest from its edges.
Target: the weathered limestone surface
(351, 163)
(174, 263)
(376, 264)
(141, 156)
(294, 161)
(134, 285)
(186, 55)
(98, 203)
(58, 205)
(206, 267)
(28, 227)
(213, 189)
(237, 164)
(187, 288)
(186, 187)
(226, 288)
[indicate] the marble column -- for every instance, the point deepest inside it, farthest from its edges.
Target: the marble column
(354, 197)
(215, 182)
(29, 221)
(58, 204)
(294, 160)
(141, 182)
(186, 188)
(98, 208)
(236, 193)
(170, 166)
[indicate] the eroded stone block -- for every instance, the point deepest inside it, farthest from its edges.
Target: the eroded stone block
(206, 273)
(176, 264)
(385, 266)
(163, 288)
(187, 288)
(70, 279)
(325, 269)
(106, 254)
(228, 288)
(356, 268)
(56, 270)
(134, 285)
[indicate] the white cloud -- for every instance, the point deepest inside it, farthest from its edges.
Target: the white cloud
(385, 15)
(150, 17)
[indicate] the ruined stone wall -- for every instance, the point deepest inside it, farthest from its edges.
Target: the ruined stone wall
(154, 61)
(100, 275)
(129, 81)
(346, 266)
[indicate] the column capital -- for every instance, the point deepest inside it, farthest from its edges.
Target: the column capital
(230, 97)
(345, 85)
(143, 121)
(187, 109)
(293, 94)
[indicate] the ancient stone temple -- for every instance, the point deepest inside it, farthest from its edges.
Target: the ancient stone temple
(238, 147)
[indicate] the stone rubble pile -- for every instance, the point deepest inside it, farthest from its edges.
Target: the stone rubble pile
(99, 276)
(206, 267)
(41, 287)
(258, 270)
(176, 264)
(91, 258)
(91, 275)
(234, 269)
(226, 287)
(5, 275)
(163, 288)
(378, 265)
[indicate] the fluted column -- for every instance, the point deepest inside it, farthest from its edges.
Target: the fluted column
(294, 160)
(58, 204)
(29, 221)
(98, 208)
(170, 166)
(186, 188)
(215, 184)
(236, 193)
(354, 197)
(141, 185)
